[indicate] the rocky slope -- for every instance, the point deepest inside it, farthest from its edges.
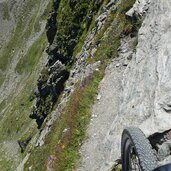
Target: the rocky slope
(54, 54)
(134, 92)
(35, 66)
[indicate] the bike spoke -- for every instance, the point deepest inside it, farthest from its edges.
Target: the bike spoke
(134, 162)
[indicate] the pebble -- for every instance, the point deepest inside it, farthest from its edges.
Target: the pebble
(163, 151)
(117, 65)
(65, 130)
(99, 97)
(94, 116)
(125, 64)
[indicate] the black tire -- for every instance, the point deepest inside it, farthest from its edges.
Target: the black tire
(134, 141)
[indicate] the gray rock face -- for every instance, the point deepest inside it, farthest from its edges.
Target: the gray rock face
(163, 151)
(140, 8)
(146, 82)
(102, 17)
(50, 85)
(141, 91)
(149, 90)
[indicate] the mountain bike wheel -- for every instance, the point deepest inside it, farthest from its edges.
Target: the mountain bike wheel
(136, 151)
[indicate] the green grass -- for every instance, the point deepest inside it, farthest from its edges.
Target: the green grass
(30, 60)
(73, 22)
(81, 39)
(15, 123)
(117, 168)
(6, 54)
(5, 165)
(15, 119)
(47, 11)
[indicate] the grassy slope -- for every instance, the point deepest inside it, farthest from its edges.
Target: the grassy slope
(20, 33)
(27, 22)
(73, 24)
(15, 123)
(62, 148)
(31, 59)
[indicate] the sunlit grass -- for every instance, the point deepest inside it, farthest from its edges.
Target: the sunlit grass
(60, 150)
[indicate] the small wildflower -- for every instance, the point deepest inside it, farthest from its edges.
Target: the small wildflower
(63, 146)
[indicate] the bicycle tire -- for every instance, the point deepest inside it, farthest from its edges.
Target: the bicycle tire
(133, 137)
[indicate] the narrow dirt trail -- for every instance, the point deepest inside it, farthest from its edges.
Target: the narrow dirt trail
(104, 112)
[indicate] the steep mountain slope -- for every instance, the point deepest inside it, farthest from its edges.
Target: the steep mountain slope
(22, 26)
(54, 55)
(36, 57)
